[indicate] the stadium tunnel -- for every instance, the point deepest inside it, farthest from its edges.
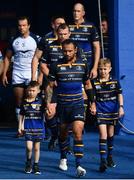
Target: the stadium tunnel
(120, 14)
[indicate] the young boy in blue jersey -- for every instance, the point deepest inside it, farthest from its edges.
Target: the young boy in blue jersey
(31, 121)
(109, 104)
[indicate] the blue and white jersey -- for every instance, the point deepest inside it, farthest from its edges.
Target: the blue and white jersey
(34, 120)
(70, 78)
(107, 99)
(23, 50)
(84, 35)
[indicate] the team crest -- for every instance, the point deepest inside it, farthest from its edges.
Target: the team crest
(17, 43)
(34, 106)
(112, 86)
(85, 29)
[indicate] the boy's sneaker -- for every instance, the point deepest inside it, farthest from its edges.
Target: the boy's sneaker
(36, 169)
(103, 166)
(110, 162)
(80, 171)
(52, 144)
(63, 165)
(28, 168)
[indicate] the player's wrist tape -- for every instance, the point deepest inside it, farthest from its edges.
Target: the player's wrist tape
(91, 95)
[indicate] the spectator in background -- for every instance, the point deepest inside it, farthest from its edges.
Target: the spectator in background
(22, 48)
(86, 36)
(105, 36)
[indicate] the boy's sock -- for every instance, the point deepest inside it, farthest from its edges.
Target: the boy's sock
(103, 149)
(78, 151)
(110, 141)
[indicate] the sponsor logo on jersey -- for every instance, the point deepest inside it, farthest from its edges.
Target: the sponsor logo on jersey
(55, 49)
(72, 29)
(77, 35)
(98, 87)
(79, 68)
(79, 116)
(70, 75)
(63, 68)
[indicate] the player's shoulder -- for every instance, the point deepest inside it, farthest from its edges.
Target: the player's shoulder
(37, 38)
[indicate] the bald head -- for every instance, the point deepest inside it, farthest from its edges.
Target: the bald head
(78, 12)
(79, 5)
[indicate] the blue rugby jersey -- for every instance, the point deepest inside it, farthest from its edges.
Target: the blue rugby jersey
(69, 81)
(46, 40)
(53, 53)
(50, 37)
(84, 35)
(34, 121)
(107, 99)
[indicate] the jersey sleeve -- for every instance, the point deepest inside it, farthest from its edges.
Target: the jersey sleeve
(22, 110)
(94, 34)
(45, 56)
(52, 72)
(119, 89)
(86, 74)
(10, 47)
(42, 44)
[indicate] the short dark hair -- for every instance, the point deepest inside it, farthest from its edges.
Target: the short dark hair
(69, 41)
(23, 18)
(57, 17)
(33, 84)
(63, 26)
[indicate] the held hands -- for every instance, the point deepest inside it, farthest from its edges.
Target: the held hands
(51, 110)
(21, 131)
(93, 108)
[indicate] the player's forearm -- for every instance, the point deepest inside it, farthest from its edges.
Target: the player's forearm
(96, 54)
(120, 99)
(6, 63)
(1, 67)
(44, 68)
(34, 68)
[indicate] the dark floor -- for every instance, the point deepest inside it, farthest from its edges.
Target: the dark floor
(12, 159)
